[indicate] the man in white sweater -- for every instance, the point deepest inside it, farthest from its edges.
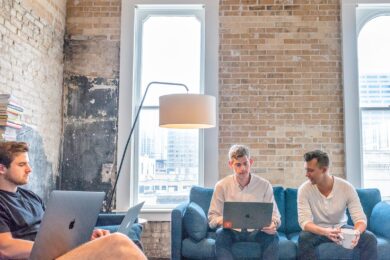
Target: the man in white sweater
(322, 204)
(242, 186)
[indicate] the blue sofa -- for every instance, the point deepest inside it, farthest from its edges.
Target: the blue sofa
(111, 222)
(192, 238)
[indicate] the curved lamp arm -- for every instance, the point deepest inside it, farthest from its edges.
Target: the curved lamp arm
(110, 198)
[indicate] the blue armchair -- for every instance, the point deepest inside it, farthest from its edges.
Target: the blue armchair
(193, 239)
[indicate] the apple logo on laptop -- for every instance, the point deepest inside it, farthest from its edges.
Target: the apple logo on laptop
(71, 224)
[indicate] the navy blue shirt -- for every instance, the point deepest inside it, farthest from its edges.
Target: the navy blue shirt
(21, 213)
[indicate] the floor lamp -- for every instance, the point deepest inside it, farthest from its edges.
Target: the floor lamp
(184, 111)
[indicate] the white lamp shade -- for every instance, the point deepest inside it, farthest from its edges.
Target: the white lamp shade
(187, 111)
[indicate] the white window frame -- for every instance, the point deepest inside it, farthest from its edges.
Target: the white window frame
(124, 197)
(197, 12)
(352, 22)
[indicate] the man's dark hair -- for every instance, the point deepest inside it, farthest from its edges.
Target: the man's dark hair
(322, 158)
(9, 150)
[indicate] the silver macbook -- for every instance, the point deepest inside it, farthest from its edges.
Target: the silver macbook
(68, 222)
(129, 219)
(247, 215)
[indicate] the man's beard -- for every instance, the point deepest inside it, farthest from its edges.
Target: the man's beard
(15, 181)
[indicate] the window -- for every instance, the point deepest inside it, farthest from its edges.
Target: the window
(374, 86)
(366, 93)
(172, 42)
(169, 41)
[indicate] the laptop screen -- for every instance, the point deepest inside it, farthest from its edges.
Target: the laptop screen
(68, 222)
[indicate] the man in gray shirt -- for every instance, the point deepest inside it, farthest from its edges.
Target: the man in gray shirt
(322, 203)
(242, 186)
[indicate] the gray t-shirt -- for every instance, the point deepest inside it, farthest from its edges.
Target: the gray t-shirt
(21, 213)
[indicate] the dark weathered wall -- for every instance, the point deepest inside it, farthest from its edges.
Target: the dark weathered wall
(42, 179)
(91, 79)
(90, 129)
(31, 69)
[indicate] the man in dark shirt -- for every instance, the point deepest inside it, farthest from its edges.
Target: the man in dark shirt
(21, 212)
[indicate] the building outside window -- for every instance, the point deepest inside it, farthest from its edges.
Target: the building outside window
(374, 93)
(366, 52)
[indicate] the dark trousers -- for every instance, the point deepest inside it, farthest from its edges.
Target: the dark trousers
(226, 238)
(307, 243)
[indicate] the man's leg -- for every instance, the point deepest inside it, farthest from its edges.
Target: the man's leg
(367, 246)
(307, 243)
(269, 244)
(223, 243)
(113, 246)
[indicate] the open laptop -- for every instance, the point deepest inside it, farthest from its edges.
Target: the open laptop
(129, 219)
(247, 215)
(68, 222)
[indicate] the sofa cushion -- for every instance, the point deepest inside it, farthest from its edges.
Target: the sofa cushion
(293, 237)
(292, 224)
(379, 221)
(287, 249)
(202, 249)
(368, 198)
(195, 222)
(383, 247)
(202, 197)
(280, 201)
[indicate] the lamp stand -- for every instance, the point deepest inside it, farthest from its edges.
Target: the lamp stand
(110, 198)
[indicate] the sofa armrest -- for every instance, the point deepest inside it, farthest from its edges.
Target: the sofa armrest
(177, 230)
(379, 220)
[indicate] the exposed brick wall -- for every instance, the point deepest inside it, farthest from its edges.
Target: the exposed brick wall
(31, 68)
(156, 239)
(280, 84)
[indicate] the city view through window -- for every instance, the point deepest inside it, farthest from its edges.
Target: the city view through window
(167, 160)
(374, 89)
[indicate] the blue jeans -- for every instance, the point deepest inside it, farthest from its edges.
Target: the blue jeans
(226, 238)
(308, 242)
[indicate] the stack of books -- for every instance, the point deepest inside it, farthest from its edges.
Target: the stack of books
(10, 117)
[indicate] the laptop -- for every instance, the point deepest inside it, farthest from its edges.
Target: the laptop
(129, 219)
(247, 215)
(68, 222)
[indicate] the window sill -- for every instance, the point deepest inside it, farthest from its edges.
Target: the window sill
(156, 214)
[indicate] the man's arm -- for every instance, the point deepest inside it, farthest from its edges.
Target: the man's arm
(305, 215)
(216, 205)
(276, 222)
(12, 248)
(269, 197)
(361, 226)
(355, 209)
